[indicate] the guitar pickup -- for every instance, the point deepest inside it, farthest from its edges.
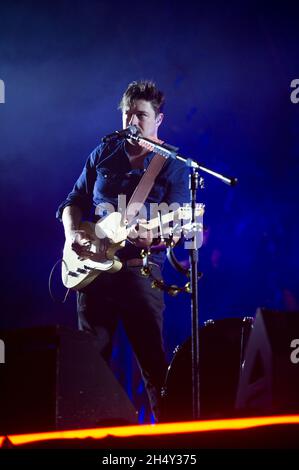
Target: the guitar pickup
(72, 273)
(81, 271)
(86, 267)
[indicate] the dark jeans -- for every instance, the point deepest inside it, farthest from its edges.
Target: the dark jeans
(128, 296)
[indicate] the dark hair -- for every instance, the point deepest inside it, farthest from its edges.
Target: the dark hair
(143, 90)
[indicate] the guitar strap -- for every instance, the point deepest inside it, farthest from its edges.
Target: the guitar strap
(144, 187)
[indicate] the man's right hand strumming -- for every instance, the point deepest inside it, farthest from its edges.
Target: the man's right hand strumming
(79, 239)
(80, 242)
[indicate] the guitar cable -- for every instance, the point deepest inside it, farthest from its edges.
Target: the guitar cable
(60, 260)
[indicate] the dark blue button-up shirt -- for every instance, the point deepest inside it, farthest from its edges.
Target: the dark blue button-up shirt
(108, 173)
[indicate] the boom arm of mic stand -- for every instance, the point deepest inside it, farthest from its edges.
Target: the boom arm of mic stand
(169, 151)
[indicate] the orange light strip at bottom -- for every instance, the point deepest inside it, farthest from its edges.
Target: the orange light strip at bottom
(155, 429)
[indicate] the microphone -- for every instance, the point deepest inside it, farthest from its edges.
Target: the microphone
(130, 130)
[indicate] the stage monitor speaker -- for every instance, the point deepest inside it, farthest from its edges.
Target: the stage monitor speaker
(269, 381)
(221, 348)
(55, 378)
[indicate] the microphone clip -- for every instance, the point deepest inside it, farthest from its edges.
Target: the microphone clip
(122, 134)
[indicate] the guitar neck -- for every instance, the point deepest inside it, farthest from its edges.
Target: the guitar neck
(164, 219)
(181, 213)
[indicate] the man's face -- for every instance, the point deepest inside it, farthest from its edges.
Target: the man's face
(142, 115)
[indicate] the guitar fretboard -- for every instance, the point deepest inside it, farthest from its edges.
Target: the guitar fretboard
(181, 213)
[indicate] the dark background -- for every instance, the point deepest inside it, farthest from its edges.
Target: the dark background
(226, 70)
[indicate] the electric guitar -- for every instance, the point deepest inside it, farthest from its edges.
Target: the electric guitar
(109, 235)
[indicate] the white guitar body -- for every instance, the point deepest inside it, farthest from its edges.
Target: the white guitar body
(79, 272)
(109, 235)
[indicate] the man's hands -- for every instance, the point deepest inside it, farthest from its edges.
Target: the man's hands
(83, 245)
(80, 242)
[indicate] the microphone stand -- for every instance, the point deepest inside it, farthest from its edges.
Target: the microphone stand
(169, 151)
